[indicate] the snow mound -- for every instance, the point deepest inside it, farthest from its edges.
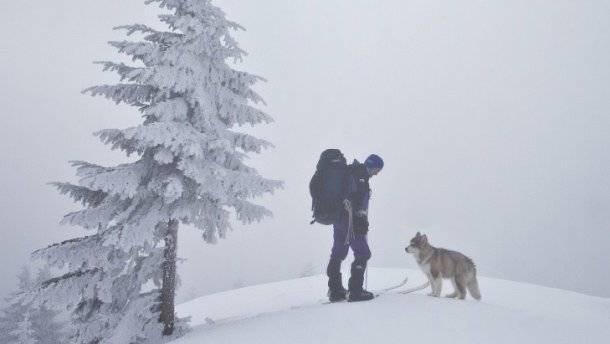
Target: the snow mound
(291, 312)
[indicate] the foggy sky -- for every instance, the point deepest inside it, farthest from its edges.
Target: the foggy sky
(492, 119)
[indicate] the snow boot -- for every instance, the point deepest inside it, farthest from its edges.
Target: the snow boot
(336, 292)
(356, 292)
(360, 295)
(337, 295)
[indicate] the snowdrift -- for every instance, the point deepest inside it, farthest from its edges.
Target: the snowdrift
(291, 312)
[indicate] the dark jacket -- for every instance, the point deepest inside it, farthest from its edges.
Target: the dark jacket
(358, 192)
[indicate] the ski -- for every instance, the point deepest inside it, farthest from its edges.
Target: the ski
(326, 302)
(385, 291)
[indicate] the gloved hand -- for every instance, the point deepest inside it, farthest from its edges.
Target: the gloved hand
(362, 213)
(361, 222)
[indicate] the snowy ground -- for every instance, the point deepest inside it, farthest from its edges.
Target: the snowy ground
(290, 312)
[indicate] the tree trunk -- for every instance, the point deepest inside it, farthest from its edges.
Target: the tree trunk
(168, 288)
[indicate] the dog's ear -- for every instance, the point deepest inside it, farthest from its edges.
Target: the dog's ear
(418, 235)
(424, 238)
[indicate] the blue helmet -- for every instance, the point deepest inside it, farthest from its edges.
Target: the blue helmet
(374, 161)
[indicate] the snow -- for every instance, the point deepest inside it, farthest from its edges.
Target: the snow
(291, 312)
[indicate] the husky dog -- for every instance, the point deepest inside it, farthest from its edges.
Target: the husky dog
(439, 263)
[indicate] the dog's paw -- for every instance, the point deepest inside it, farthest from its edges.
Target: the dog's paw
(452, 295)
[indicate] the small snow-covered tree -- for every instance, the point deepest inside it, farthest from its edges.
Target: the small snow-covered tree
(24, 333)
(120, 281)
(23, 322)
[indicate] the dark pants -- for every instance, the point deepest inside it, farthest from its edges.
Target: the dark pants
(339, 251)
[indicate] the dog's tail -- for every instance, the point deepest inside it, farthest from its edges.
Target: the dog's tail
(473, 288)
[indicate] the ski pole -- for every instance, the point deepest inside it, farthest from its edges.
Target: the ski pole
(423, 286)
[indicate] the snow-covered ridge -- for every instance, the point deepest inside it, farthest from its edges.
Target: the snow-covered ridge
(290, 312)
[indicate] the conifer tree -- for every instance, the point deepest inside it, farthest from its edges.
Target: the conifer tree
(189, 169)
(23, 322)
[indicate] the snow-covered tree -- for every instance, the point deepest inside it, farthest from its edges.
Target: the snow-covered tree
(24, 333)
(23, 322)
(190, 168)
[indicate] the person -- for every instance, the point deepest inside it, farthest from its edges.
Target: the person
(350, 230)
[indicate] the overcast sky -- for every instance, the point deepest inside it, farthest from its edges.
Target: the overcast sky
(492, 117)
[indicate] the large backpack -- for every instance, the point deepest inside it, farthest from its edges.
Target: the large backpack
(327, 187)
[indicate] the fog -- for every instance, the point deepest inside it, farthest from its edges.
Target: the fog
(492, 119)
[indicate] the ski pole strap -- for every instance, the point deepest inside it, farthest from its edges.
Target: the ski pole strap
(350, 222)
